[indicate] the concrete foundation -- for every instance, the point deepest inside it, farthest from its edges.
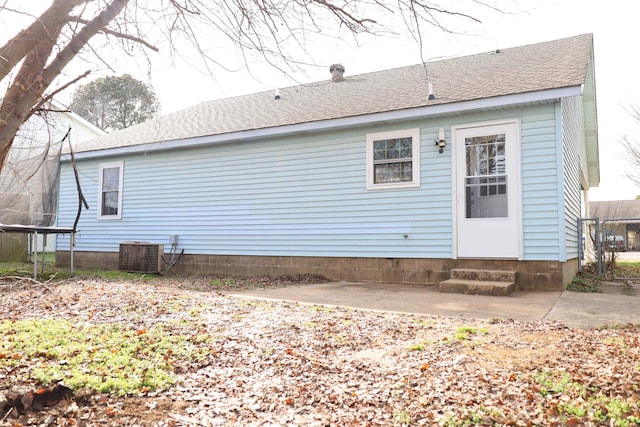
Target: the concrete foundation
(532, 275)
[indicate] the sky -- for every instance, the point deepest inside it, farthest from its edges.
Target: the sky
(613, 24)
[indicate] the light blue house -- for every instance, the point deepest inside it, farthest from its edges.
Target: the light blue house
(398, 176)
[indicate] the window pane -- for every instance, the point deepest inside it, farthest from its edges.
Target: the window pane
(485, 155)
(486, 200)
(109, 203)
(407, 172)
(110, 177)
(390, 149)
(500, 164)
(393, 172)
(384, 173)
(405, 142)
(482, 167)
(473, 160)
(378, 150)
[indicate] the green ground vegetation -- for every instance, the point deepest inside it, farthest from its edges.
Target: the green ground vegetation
(586, 401)
(627, 269)
(589, 281)
(48, 271)
(107, 358)
(585, 282)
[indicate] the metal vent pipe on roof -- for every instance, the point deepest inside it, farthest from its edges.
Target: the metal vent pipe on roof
(431, 95)
(337, 72)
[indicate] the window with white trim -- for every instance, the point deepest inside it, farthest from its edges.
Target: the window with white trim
(393, 159)
(110, 187)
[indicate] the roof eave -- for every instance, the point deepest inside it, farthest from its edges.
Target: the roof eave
(78, 118)
(591, 125)
(338, 123)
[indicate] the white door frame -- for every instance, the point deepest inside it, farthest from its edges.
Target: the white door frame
(515, 184)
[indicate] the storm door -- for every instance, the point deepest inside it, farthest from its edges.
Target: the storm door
(488, 191)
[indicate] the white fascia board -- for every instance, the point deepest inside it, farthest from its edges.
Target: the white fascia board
(345, 122)
(75, 116)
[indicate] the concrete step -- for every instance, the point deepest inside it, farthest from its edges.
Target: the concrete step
(483, 275)
(477, 287)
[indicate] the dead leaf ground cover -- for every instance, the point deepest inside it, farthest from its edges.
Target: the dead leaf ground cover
(234, 361)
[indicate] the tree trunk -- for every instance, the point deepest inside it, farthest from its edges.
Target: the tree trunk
(19, 46)
(35, 76)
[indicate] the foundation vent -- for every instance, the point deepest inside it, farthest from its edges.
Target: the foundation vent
(140, 257)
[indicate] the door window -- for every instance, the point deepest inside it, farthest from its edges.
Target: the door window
(486, 177)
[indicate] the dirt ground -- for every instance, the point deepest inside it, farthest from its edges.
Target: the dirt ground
(276, 363)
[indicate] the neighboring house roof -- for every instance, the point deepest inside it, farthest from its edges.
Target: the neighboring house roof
(76, 122)
(63, 119)
(528, 69)
(615, 209)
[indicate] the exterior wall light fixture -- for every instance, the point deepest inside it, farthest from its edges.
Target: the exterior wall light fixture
(440, 142)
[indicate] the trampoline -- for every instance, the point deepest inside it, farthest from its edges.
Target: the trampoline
(44, 231)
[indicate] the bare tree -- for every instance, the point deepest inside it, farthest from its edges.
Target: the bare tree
(32, 62)
(632, 148)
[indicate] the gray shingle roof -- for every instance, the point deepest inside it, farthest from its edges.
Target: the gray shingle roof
(615, 209)
(550, 65)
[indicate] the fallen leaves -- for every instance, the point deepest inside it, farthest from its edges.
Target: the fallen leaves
(280, 363)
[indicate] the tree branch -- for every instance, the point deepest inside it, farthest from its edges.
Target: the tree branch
(275, 31)
(118, 34)
(20, 45)
(44, 100)
(80, 39)
(349, 20)
(632, 148)
(35, 76)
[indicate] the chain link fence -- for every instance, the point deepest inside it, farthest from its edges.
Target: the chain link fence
(608, 243)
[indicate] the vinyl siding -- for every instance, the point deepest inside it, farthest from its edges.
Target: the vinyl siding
(305, 195)
(540, 184)
(573, 160)
(301, 195)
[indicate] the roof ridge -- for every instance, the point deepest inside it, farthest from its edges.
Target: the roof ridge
(421, 64)
(315, 83)
(513, 71)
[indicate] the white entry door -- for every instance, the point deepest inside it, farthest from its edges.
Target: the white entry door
(488, 191)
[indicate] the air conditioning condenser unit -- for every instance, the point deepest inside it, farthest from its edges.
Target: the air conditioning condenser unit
(140, 257)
